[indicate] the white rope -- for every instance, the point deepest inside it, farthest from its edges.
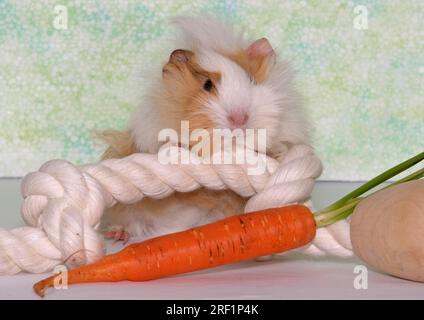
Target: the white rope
(63, 204)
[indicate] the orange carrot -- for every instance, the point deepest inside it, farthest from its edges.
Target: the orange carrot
(238, 238)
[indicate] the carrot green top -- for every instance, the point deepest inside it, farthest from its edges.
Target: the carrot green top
(343, 207)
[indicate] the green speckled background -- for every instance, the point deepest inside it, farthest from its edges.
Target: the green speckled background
(364, 89)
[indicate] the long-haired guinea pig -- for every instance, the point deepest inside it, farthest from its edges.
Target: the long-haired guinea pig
(214, 79)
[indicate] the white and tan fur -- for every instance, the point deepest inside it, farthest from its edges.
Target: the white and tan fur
(248, 79)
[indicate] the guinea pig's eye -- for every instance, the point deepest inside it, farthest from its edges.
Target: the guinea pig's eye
(208, 85)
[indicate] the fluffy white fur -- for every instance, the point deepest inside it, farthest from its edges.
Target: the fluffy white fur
(272, 104)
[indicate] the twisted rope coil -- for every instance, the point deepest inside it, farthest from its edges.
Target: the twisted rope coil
(63, 204)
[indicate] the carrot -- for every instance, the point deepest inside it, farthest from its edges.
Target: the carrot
(238, 238)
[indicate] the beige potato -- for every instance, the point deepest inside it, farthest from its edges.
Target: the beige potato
(387, 230)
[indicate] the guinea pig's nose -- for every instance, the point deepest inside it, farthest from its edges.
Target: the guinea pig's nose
(237, 118)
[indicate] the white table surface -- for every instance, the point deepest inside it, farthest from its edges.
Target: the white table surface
(287, 277)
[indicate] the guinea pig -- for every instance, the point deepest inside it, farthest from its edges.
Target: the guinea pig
(214, 79)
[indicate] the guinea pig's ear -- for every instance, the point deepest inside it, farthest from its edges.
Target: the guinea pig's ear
(180, 56)
(262, 59)
(261, 48)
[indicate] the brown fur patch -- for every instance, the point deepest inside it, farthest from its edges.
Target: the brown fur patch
(225, 201)
(258, 68)
(184, 80)
(120, 144)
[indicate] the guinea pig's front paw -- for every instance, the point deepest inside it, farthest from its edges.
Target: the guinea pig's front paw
(117, 233)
